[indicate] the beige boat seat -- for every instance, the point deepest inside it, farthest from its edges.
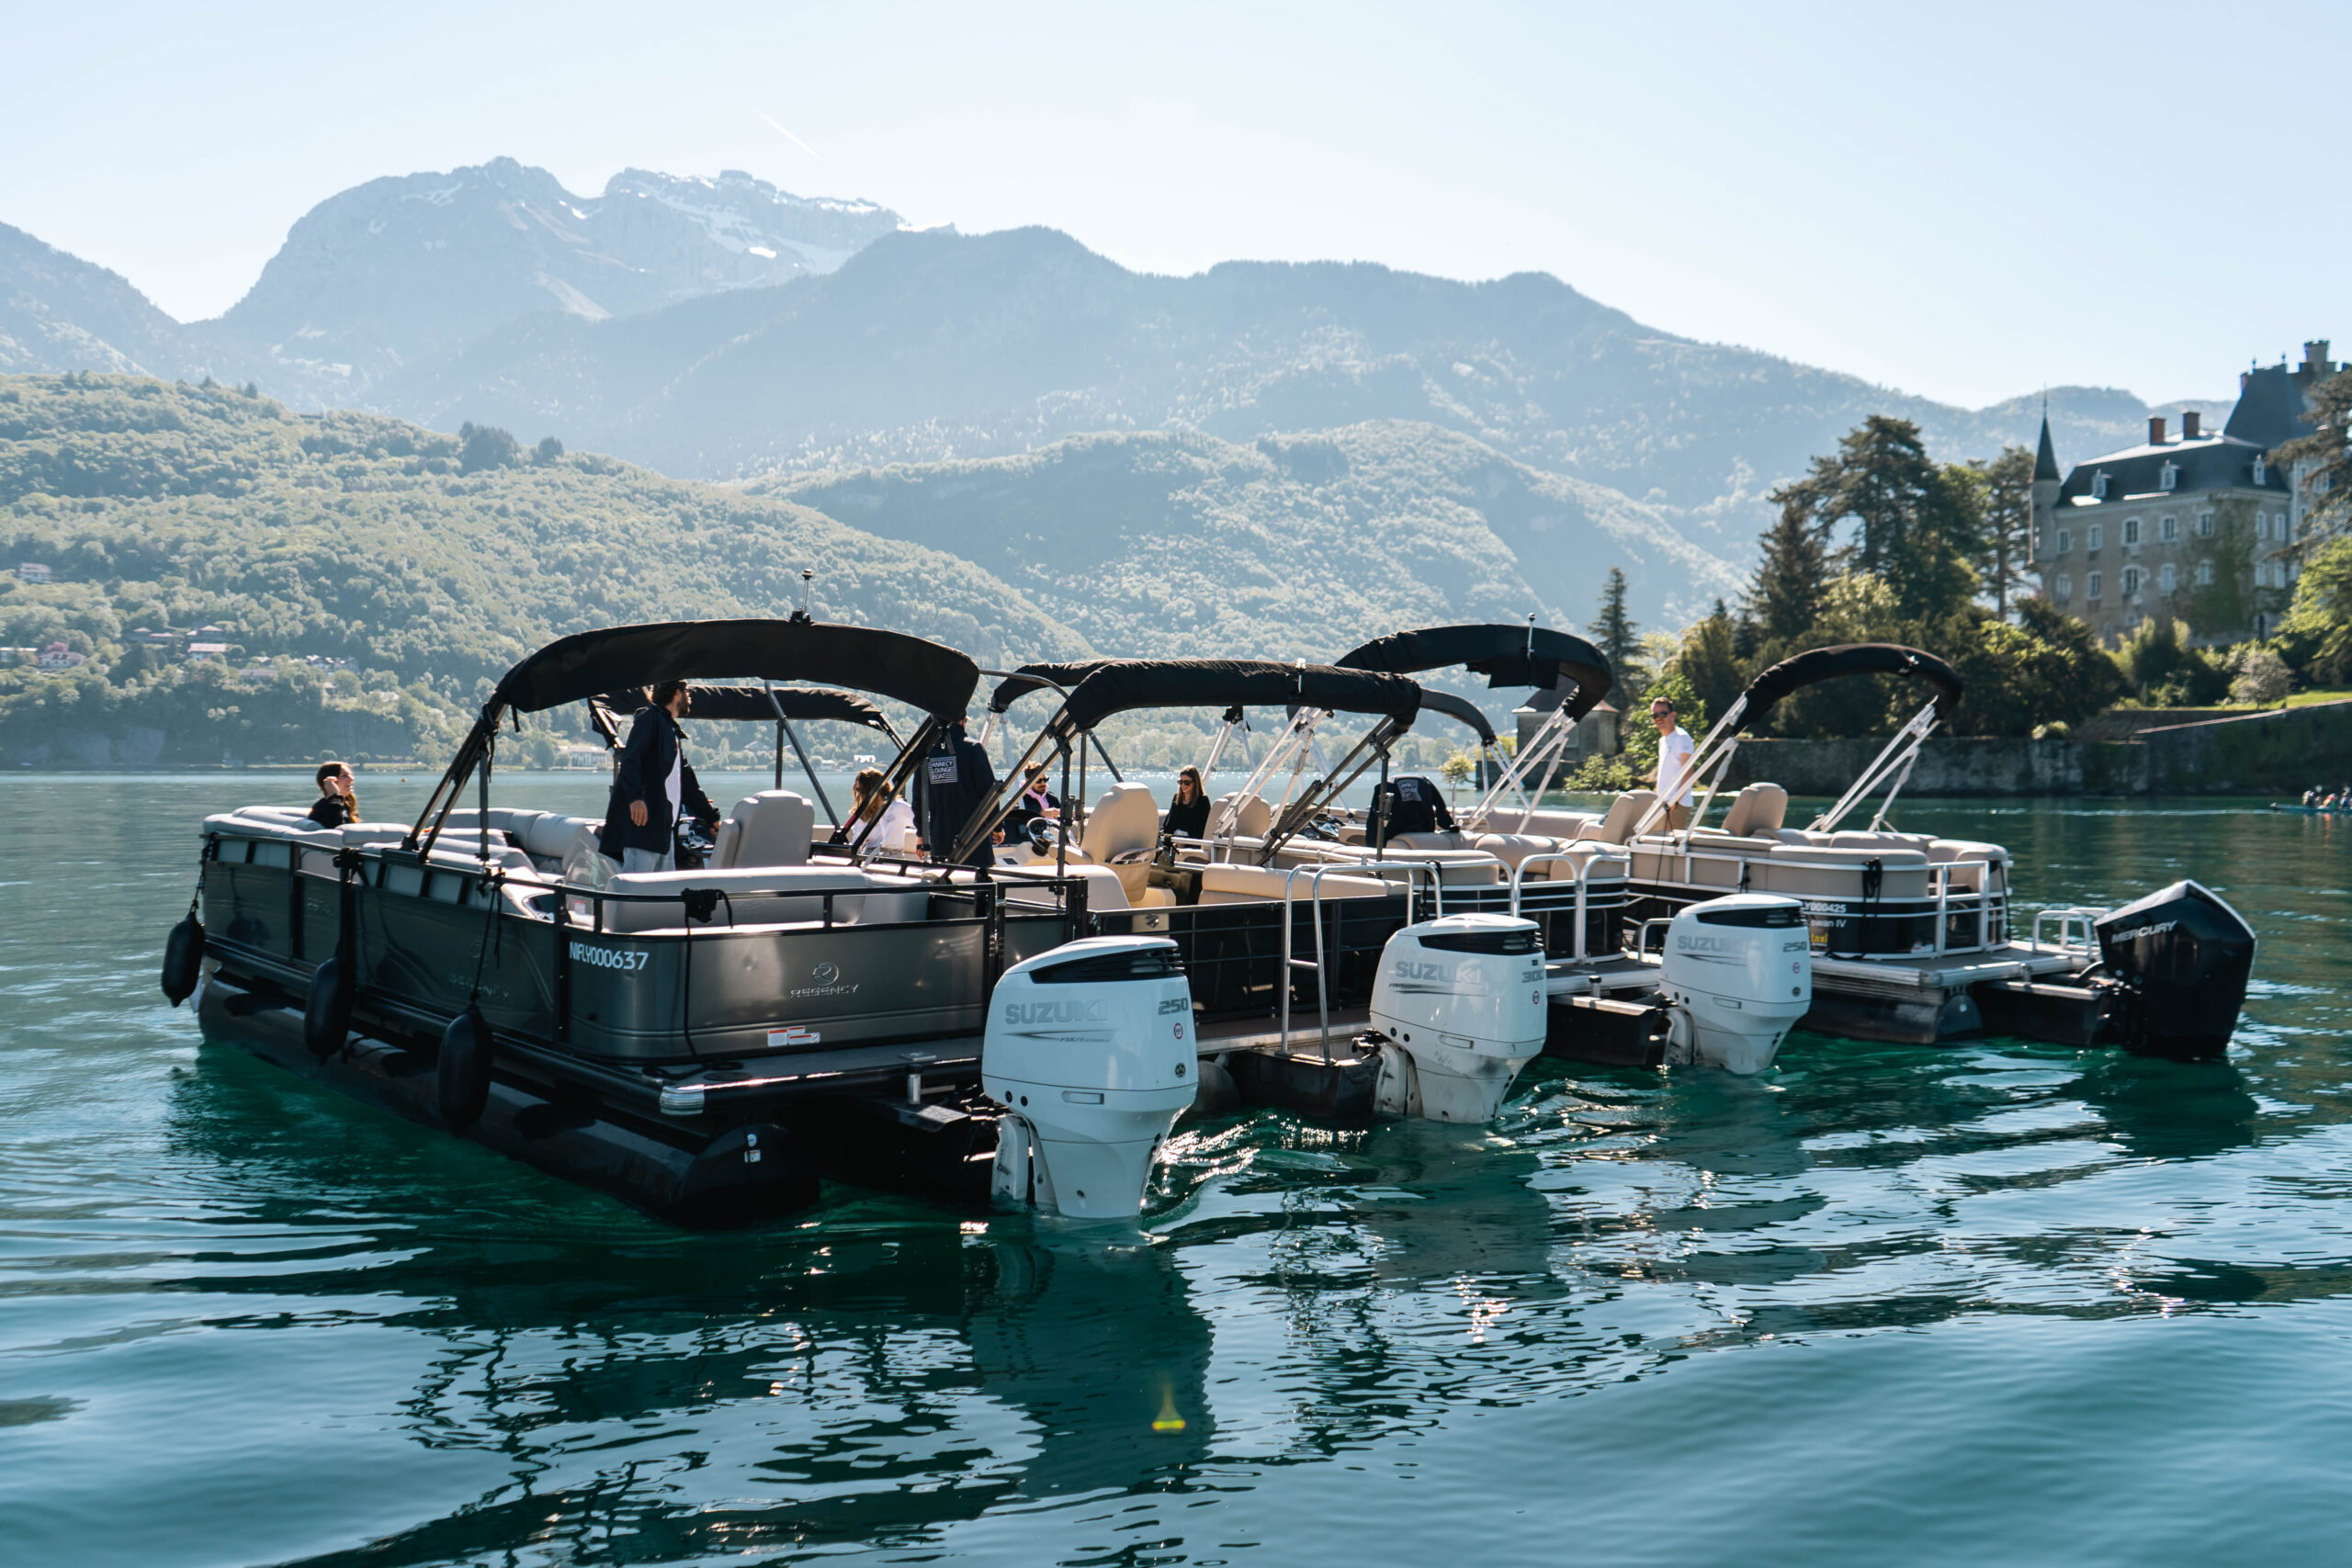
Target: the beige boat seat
(772, 828)
(1450, 838)
(1709, 859)
(762, 895)
(1542, 824)
(1254, 818)
(1583, 854)
(1757, 812)
(1624, 812)
(1853, 839)
(1123, 822)
(1104, 890)
(1230, 883)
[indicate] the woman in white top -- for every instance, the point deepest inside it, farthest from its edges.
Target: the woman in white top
(871, 800)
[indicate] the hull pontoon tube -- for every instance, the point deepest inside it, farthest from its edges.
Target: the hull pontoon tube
(1912, 935)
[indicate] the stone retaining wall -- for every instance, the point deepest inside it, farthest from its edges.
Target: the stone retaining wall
(2282, 751)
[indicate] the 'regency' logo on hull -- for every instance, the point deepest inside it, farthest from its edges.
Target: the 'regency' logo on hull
(828, 976)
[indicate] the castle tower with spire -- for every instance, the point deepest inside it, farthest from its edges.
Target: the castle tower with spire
(2047, 481)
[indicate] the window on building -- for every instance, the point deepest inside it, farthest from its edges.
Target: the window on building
(2166, 578)
(2130, 579)
(2066, 588)
(2204, 574)
(2066, 540)
(2262, 525)
(2131, 530)
(2167, 529)
(2090, 585)
(2131, 621)
(2261, 470)
(2097, 537)
(2099, 486)
(2168, 476)
(2204, 525)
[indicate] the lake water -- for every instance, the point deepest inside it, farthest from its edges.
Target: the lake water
(1991, 1303)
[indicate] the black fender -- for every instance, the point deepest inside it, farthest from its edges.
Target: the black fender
(461, 1073)
(183, 960)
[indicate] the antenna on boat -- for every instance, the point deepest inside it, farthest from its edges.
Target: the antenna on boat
(807, 589)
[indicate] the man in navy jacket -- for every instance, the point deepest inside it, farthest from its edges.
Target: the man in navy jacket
(652, 785)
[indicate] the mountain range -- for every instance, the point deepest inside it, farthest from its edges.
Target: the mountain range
(979, 392)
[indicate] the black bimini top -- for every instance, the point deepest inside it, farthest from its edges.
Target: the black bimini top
(1461, 709)
(925, 675)
(1031, 678)
(1795, 673)
(1504, 655)
(1120, 684)
(751, 704)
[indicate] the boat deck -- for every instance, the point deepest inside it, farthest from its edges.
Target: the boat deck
(1907, 978)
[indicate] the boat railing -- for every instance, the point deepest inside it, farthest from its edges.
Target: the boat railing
(1314, 875)
(1583, 861)
(2076, 929)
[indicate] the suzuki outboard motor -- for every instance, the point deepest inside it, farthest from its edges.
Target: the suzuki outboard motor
(1090, 1051)
(1459, 1006)
(2183, 957)
(1738, 975)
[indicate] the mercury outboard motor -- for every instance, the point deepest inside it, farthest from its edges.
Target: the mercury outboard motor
(1459, 1006)
(2183, 958)
(1738, 975)
(1090, 1050)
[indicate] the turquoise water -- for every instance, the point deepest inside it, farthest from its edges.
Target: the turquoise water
(1986, 1303)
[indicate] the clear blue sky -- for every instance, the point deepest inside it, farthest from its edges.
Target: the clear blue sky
(1965, 201)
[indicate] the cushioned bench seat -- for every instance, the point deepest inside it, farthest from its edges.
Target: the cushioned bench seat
(764, 895)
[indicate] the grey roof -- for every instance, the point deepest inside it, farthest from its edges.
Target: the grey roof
(2046, 458)
(2212, 462)
(2271, 409)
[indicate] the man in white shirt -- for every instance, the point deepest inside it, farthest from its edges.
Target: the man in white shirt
(1674, 750)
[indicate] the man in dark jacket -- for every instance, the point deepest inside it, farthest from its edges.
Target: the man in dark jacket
(957, 779)
(652, 786)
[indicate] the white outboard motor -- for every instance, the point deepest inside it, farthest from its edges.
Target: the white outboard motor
(1459, 1004)
(1090, 1051)
(1738, 975)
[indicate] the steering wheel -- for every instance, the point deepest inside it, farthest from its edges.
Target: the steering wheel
(1043, 834)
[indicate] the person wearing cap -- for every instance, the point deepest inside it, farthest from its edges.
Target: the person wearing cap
(1675, 748)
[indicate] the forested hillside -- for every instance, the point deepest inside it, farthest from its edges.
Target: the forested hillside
(423, 564)
(1288, 546)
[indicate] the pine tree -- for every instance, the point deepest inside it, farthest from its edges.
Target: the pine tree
(1613, 630)
(1708, 660)
(1916, 526)
(2008, 524)
(1784, 600)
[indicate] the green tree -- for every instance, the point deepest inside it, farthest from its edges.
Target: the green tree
(548, 450)
(1915, 526)
(1708, 661)
(1785, 600)
(2317, 631)
(483, 446)
(2167, 670)
(1615, 633)
(2008, 512)
(2327, 480)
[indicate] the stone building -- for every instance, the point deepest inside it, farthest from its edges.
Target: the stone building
(2199, 526)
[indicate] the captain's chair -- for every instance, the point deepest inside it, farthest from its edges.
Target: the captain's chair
(1253, 820)
(1124, 821)
(1624, 812)
(1758, 811)
(772, 828)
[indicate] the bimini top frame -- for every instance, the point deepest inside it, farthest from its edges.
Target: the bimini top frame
(756, 704)
(929, 676)
(1014, 684)
(1526, 655)
(1711, 760)
(1120, 686)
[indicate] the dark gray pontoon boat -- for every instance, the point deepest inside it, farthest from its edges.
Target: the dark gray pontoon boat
(704, 1042)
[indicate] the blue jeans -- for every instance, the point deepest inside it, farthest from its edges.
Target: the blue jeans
(644, 860)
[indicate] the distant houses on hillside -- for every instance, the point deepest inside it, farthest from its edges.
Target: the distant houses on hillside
(2200, 525)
